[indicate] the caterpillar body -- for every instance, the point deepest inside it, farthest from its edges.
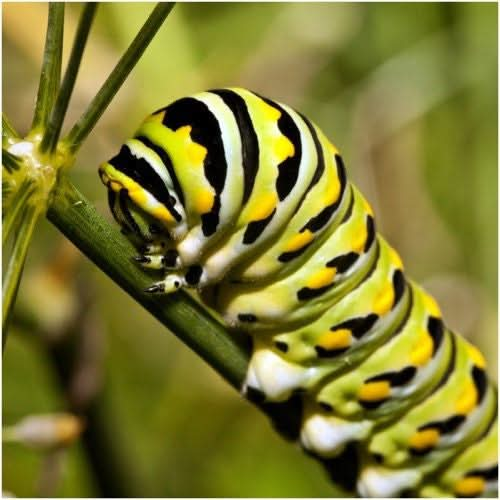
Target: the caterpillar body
(247, 200)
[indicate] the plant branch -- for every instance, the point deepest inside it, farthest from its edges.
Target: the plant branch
(58, 113)
(8, 131)
(112, 253)
(115, 80)
(15, 266)
(10, 162)
(11, 216)
(50, 75)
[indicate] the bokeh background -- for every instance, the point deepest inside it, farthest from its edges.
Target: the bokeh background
(407, 92)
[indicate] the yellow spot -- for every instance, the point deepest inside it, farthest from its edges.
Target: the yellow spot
(196, 153)
(299, 241)
(283, 148)
(157, 117)
(476, 356)
(270, 113)
(469, 486)
(115, 186)
(422, 351)
(374, 391)
(359, 239)
(263, 207)
(322, 278)
(431, 305)
(337, 339)
(368, 207)
(137, 194)
(162, 213)
(384, 300)
(395, 258)
(204, 201)
(468, 399)
(424, 439)
(184, 132)
(332, 193)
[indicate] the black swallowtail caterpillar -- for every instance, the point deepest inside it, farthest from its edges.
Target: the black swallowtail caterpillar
(246, 200)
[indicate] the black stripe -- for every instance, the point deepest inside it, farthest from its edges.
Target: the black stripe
(122, 200)
(399, 285)
(256, 228)
(321, 219)
(249, 140)
(167, 162)
(306, 293)
(435, 327)
(193, 275)
(370, 230)
(358, 326)
(139, 170)
(322, 352)
(320, 167)
(446, 426)
(343, 262)
(480, 382)
(288, 169)
(395, 378)
(349, 210)
(288, 256)
(489, 474)
(205, 130)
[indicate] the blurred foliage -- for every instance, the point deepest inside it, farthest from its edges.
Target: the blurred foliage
(408, 92)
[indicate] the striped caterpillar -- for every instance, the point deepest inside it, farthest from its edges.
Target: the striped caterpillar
(246, 200)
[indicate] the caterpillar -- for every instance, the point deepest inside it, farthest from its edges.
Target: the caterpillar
(246, 200)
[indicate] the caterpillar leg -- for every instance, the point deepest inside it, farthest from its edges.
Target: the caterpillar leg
(171, 283)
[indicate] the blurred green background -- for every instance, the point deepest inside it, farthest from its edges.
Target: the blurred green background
(407, 92)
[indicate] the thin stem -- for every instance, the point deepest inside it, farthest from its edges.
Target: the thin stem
(115, 80)
(8, 132)
(58, 113)
(11, 215)
(111, 252)
(50, 75)
(10, 162)
(16, 264)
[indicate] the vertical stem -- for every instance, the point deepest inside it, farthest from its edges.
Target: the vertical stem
(58, 113)
(8, 131)
(18, 203)
(16, 264)
(51, 67)
(120, 72)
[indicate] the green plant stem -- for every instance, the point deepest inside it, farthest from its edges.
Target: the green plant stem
(10, 162)
(115, 80)
(111, 252)
(26, 189)
(16, 264)
(58, 113)
(8, 131)
(50, 75)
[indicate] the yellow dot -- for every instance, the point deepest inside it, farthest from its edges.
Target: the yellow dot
(263, 207)
(374, 391)
(476, 356)
(395, 258)
(424, 439)
(157, 117)
(359, 239)
(468, 398)
(384, 300)
(431, 305)
(196, 153)
(204, 201)
(337, 339)
(422, 351)
(332, 193)
(270, 113)
(184, 132)
(162, 213)
(299, 241)
(322, 278)
(283, 148)
(469, 486)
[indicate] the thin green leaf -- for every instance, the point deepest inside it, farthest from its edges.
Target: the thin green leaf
(15, 266)
(115, 80)
(50, 75)
(58, 113)
(10, 162)
(11, 214)
(8, 132)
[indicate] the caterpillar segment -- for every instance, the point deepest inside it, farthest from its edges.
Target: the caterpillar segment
(246, 200)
